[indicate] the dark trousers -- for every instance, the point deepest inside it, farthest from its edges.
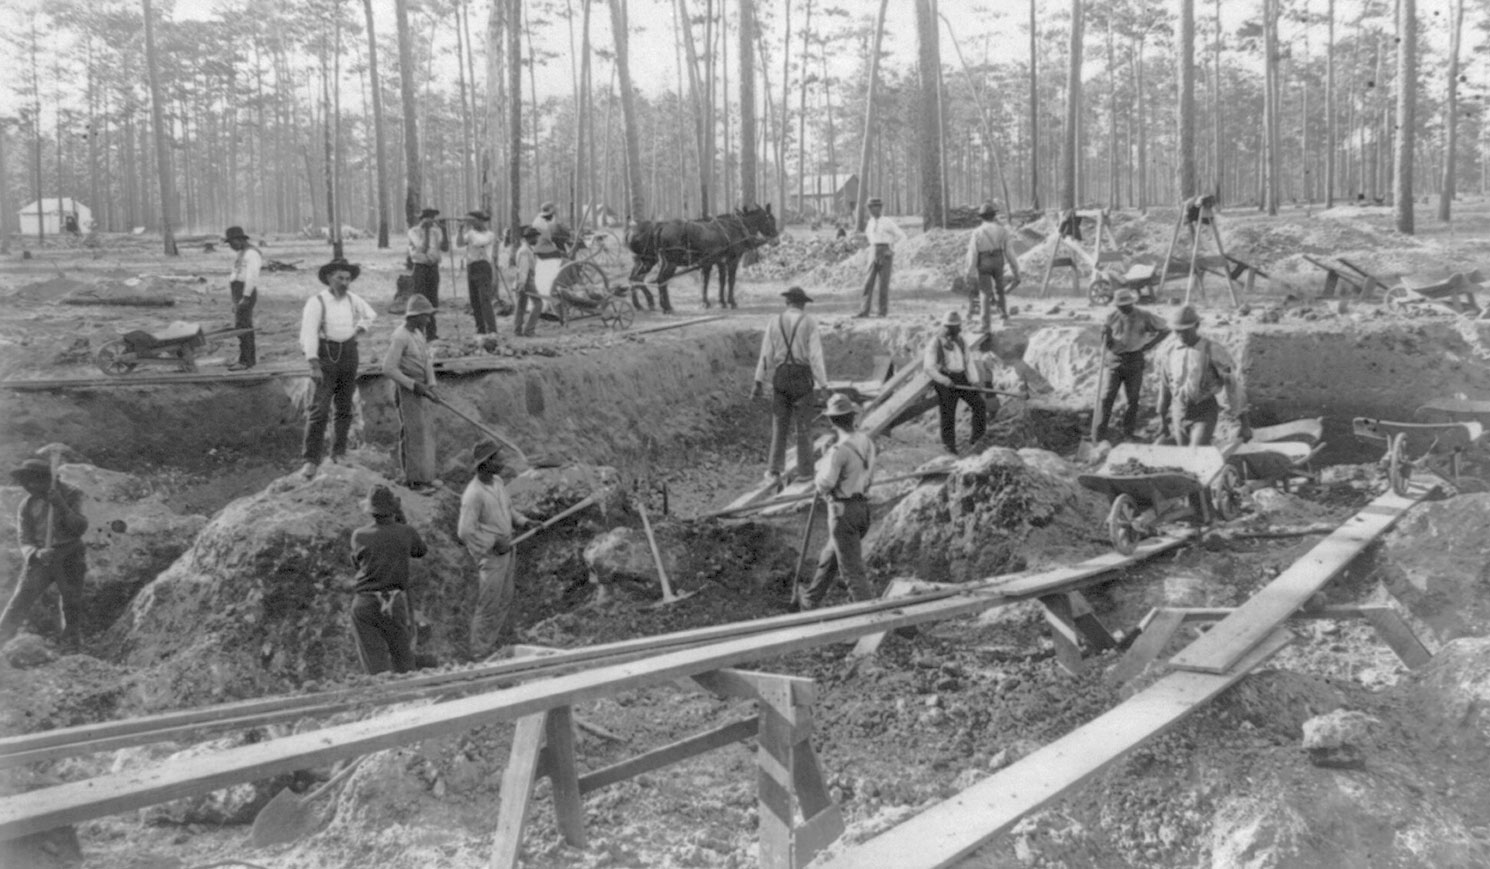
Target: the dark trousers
(383, 625)
(478, 282)
(243, 318)
(785, 412)
(991, 292)
(1123, 371)
(427, 284)
(946, 402)
(1195, 424)
(842, 555)
(337, 387)
(879, 271)
(529, 308)
(67, 569)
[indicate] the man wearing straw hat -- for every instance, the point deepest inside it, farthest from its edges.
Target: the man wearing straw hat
(49, 527)
(946, 362)
(411, 369)
(791, 359)
(382, 618)
(883, 234)
(1128, 334)
(844, 483)
(987, 254)
(243, 288)
(479, 243)
(1196, 375)
(427, 240)
(330, 325)
(487, 520)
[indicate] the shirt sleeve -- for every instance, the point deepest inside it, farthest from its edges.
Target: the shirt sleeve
(765, 355)
(815, 354)
(928, 362)
(413, 242)
(363, 314)
(1234, 394)
(310, 327)
(972, 250)
(827, 478)
(470, 517)
(252, 262)
(396, 346)
(26, 530)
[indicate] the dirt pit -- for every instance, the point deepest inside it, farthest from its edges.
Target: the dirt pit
(668, 411)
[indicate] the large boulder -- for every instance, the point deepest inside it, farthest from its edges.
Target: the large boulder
(543, 492)
(624, 553)
(999, 511)
(133, 535)
(1437, 563)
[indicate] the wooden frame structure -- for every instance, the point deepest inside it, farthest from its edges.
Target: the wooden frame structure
(1092, 261)
(1219, 264)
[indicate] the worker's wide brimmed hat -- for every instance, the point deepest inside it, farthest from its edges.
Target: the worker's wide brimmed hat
(429, 212)
(234, 233)
(989, 209)
(31, 469)
(338, 265)
(952, 319)
(380, 501)
(547, 209)
(840, 405)
(796, 296)
(1124, 297)
(478, 215)
(418, 305)
(873, 201)
(1184, 318)
(485, 449)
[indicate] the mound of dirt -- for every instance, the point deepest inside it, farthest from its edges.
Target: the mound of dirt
(1437, 563)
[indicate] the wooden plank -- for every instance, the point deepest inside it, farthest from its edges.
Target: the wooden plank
(869, 645)
(953, 829)
(816, 834)
(735, 731)
(1394, 631)
(743, 684)
(517, 790)
(1234, 635)
(568, 810)
(1149, 645)
(1057, 610)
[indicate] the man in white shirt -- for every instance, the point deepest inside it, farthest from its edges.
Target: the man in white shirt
(485, 527)
(987, 254)
(479, 242)
(882, 233)
(844, 482)
(427, 241)
(330, 325)
(946, 362)
(243, 287)
(791, 359)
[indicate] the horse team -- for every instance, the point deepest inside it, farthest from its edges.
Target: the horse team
(683, 246)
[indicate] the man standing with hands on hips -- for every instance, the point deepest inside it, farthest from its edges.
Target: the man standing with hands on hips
(330, 325)
(882, 233)
(427, 241)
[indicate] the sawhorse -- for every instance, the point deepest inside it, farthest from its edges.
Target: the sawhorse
(1072, 623)
(789, 782)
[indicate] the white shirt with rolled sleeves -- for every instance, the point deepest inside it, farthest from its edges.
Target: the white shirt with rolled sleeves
(807, 346)
(424, 245)
(850, 467)
(883, 230)
(987, 237)
(479, 245)
(246, 268)
(337, 319)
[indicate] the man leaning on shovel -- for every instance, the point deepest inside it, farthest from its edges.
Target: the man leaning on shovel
(844, 483)
(487, 520)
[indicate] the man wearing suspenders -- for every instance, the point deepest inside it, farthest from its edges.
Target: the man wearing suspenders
(791, 359)
(330, 325)
(844, 483)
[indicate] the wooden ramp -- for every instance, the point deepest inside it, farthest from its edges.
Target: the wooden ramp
(951, 830)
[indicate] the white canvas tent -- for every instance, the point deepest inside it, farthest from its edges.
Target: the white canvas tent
(54, 212)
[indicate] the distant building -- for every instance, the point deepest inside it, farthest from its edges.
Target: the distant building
(54, 216)
(828, 195)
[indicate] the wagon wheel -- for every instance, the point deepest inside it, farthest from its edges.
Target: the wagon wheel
(114, 358)
(1396, 299)
(617, 313)
(1100, 292)
(582, 280)
(1399, 467)
(1122, 524)
(1227, 492)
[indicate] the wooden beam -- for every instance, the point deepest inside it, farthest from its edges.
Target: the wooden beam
(746, 684)
(517, 790)
(1234, 635)
(735, 731)
(951, 830)
(1149, 646)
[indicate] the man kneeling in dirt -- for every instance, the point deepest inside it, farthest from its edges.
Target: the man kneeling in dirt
(845, 484)
(486, 523)
(50, 527)
(382, 618)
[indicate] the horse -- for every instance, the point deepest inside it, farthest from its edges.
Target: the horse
(717, 242)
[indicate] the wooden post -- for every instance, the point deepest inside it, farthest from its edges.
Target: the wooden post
(1063, 632)
(1055, 252)
(789, 777)
(1221, 249)
(1174, 239)
(530, 759)
(1195, 277)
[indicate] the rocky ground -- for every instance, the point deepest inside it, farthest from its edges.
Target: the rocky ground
(221, 571)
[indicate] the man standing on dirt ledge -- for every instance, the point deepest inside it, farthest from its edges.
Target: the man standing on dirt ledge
(426, 242)
(792, 357)
(382, 619)
(845, 484)
(411, 369)
(1193, 372)
(883, 233)
(486, 524)
(332, 321)
(946, 362)
(243, 288)
(987, 252)
(1128, 333)
(49, 527)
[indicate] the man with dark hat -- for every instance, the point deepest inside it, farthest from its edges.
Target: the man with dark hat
(427, 240)
(411, 369)
(791, 360)
(844, 483)
(550, 241)
(529, 306)
(946, 362)
(49, 527)
(1128, 334)
(382, 617)
(330, 325)
(1195, 372)
(883, 234)
(987, 254)
(487, 520)
(243, 287)
(479, 243)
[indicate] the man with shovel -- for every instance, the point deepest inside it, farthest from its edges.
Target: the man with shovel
(1128, 334)
(382, 619)
(1195, 372)
(844, 483)
(49, 526)
(411, 368)
(946, 363)
(487, 520)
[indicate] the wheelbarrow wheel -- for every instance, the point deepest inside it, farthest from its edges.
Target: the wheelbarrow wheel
(617, 313)
(1396, 299)
(1100, 292)
(114, 359)
(1227, 492)
(1399, 467)
(1122, 524)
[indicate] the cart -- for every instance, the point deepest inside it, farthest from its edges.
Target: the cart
(580, 290)
(179, 344)
(1436, 447)
(1280, 453)
(1454, 292)
(1173, 483)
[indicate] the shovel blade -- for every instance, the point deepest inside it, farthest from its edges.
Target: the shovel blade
(283, 819)
(671, 600)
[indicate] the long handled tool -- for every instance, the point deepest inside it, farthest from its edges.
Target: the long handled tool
(802, 558)
(984, 390)
(484, 428)
(803, 496)
(556, 518)
(667, 586)
(288, 816)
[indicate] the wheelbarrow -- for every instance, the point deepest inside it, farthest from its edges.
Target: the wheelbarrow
(178, 345)
(1434, 447)
(1277, 454)
(1149, 485)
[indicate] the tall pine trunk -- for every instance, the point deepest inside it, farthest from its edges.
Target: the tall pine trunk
(870, 130)
(162, 139)
(929, 120)
(378, 134)
(1185, 59)
(1272, 188)
(514, 116)
(1034, 118)
(1073, 110)
(1451, 113)
(1407, 105)
(414, 176)
(636, 205)
(747, 103)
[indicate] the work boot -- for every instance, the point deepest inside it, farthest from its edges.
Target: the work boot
(308, 470)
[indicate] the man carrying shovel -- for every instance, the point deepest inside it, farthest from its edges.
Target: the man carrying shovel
(410, 367)
(1128, 334)
(946, 363)
(50, 526)
(486, 523)
(382, 619)
(844, 483)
